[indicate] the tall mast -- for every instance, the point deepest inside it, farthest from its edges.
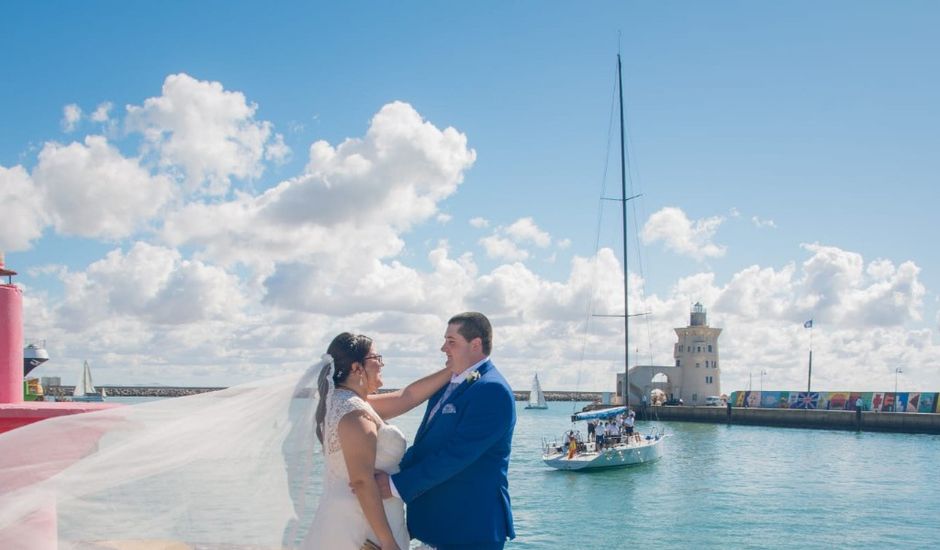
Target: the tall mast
(623, 205)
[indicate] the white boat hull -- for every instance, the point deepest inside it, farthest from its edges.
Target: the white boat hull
(620, 455)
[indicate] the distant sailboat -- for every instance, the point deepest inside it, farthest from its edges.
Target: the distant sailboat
(85, 390)
(536, 397)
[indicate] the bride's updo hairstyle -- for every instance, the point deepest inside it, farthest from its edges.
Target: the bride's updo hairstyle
(345, 349)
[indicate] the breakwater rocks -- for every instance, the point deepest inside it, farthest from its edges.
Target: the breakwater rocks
(805, 418)
(562, 395)
(179, 391)
(134, 391)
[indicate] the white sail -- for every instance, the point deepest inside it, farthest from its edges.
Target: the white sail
(536, 397)
(86, 386)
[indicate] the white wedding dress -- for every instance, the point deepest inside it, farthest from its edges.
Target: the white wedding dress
(339, 523)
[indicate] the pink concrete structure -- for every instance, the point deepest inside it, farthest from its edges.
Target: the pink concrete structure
(39, 529)
(14, 412)
(11, 343)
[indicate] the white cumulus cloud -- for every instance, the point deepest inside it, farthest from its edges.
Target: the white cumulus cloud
(209, 131)
(242, 284)
(328, 232)
(683, 236)
(22, 209)
(149, 283)
(91, 190)
(500, 248)
(505, 243)
(525, 230)
(842, 290)
(760, 223)
(71, 114)
(103, 112)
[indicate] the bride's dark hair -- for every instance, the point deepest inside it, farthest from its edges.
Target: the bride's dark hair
(345, 349)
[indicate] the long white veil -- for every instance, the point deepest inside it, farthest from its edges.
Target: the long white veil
(227, 469)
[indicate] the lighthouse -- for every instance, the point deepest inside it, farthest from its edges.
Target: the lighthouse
(696, 354)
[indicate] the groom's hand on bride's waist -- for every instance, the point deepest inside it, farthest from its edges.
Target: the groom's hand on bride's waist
(385, 486)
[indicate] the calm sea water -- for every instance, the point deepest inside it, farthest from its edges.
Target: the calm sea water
(724, 486)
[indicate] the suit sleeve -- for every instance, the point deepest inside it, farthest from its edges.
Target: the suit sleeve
(487, 419)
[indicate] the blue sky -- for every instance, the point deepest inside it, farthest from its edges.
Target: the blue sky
(786, 152)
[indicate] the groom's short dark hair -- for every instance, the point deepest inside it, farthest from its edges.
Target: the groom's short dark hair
(473, 324)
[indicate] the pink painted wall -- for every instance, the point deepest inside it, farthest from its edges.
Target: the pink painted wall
(11, 344)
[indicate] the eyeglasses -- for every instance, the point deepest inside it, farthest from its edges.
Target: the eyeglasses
(373, 356)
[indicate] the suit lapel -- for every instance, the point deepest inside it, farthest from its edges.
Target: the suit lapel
(425, 424)
(427, 410)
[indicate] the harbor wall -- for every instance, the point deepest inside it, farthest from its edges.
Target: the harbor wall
(179, 391)
(134, 391)
(911, 402)
(804, 418)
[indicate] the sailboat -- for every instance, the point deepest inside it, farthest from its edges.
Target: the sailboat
(621, 450)
(536, 397)
(85, 390)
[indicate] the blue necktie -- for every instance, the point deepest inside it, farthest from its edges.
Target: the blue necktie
(450, 389)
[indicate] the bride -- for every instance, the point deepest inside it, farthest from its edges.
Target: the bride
(350, 424)
(218, 469)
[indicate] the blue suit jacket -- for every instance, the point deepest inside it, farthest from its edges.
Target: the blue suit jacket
(454, 478)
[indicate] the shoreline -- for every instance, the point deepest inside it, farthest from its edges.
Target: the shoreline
(821, 419)
(924, 423)
(180, 391)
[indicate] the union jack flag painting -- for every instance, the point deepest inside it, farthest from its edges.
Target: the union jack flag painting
(805, 400)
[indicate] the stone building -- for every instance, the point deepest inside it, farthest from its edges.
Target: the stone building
(696, 373)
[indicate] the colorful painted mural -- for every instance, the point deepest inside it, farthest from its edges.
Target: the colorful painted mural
(928, 403)
(912, 402)
(804, 400)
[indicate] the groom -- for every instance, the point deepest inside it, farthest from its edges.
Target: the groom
(454, 476)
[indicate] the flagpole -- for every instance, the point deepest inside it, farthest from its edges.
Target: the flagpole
(809, 378)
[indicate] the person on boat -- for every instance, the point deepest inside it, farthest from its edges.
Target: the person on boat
(572, 445)
(629, 423)
(612, 432)
(591, 425)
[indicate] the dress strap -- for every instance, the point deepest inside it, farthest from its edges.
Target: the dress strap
(343, 402)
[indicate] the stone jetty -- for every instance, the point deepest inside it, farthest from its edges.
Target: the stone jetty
(179, 391)
(135, 391)
(920, 423)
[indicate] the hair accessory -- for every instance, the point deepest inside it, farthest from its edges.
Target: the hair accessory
(329, 368)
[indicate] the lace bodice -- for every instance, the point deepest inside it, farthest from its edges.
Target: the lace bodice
(391, 442)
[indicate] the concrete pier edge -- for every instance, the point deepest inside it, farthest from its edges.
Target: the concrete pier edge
(914, 423)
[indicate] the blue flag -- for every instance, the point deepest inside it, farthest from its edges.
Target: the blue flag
(808, 324)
